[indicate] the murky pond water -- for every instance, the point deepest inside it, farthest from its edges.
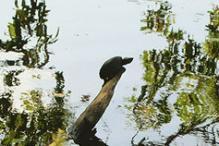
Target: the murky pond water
(167, 96)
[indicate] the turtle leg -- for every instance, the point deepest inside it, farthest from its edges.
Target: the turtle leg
(123, 69)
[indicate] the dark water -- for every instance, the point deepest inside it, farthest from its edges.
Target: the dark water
(167, 96)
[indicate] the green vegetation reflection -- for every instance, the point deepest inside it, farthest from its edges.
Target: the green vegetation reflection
(180, 80)
(28, 33)
(31, 113)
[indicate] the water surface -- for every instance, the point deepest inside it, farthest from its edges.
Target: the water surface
(92, 32)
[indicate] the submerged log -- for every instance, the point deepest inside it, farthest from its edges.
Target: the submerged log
(83, 128)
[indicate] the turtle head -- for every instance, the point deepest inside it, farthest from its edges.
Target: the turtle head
(126, 60)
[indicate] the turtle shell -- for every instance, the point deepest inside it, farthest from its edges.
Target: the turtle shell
(110, 68)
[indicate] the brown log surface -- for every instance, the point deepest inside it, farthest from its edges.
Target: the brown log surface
(92, 114)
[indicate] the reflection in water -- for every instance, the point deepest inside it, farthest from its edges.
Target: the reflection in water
(211, 44)
(31, 114)
(28, 33)
(158, 20)
(181, 83)
(10, 78)
(179, 97)
(36, 125)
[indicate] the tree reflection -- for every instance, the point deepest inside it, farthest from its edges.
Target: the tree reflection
(10, 78)
(38, 124)
(181, 80)
(158, 20)
(28, 33)
(42, 117)
(211, 44)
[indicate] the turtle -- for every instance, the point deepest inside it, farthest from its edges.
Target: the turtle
(113, 66)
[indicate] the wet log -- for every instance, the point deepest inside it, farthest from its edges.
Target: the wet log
(83, 128)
